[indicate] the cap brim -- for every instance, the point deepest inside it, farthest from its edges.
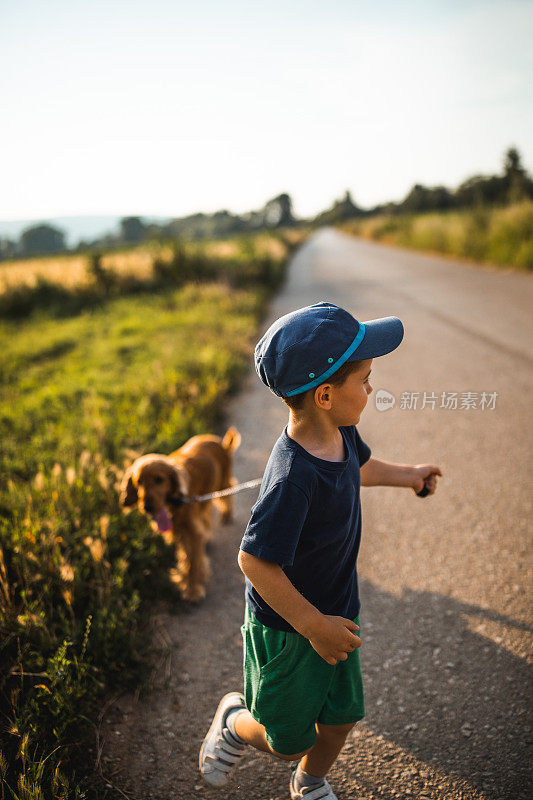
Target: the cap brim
(381, 337)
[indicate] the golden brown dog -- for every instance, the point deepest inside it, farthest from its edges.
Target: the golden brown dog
(157, 483)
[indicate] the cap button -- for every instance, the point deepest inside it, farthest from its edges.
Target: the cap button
(311, 374)
(330, 360)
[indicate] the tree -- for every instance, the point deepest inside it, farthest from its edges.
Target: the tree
(517, 184)
(39, 239)
(8, 247)
(427, 198)
(341, 210)
(132, 229)
(480, 190)
(278, 212)
(512, 164)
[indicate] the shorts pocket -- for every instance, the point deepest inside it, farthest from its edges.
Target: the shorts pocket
(284, 703)
(265, 651)
(277, 655)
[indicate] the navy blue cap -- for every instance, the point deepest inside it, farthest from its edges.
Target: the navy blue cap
(303, 349)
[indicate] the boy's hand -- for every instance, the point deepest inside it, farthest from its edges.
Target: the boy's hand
(333, 638)
(425, 476)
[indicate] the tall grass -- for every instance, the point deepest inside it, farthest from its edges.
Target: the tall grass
(80, 395)
(66, 285)
(499, 236)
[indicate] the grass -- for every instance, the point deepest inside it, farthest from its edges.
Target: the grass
(72, 270)
(502, 237)
(62, 290)
(80, 394)
(64, 381)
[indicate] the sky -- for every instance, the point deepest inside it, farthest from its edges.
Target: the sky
(169, 107)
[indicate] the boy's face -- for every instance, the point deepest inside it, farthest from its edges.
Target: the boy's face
(349, 400)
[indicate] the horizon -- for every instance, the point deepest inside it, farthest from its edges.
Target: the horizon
(194, 110)
(146, 218)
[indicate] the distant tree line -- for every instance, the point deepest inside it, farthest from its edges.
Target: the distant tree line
(493, 190)
(46, 239)
(513, 185)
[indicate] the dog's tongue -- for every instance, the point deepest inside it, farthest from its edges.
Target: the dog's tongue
(163, 520)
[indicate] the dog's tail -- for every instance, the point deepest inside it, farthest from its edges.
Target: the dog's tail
(231, 440)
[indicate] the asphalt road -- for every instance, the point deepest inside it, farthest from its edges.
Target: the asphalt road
(444, 581)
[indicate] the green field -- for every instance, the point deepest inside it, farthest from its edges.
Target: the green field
(92, 374)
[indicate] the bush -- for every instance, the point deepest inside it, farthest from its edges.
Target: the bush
(105, 279)
(70, 612)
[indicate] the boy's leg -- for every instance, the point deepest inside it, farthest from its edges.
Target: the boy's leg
(252, 732)
(330, 740)
(345, 699)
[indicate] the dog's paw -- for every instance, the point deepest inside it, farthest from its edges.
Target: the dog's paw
(177, 578)
(193, 594)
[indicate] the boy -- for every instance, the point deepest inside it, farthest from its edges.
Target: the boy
(303, 688)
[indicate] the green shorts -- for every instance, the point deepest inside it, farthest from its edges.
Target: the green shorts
(288, 686)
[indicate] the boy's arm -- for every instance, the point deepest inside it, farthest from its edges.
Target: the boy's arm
(275, 588)
(385, 473)
(333, 637)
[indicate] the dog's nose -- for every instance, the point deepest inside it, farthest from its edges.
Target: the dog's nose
(148, 507)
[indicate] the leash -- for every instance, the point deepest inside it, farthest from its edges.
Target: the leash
(221, 493)
(248, 485)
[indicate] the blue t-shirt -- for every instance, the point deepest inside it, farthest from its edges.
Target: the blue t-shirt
(307, 519)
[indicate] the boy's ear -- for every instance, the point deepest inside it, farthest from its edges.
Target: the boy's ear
(322, 393)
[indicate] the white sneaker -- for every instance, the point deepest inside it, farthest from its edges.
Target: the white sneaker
(219, 752)
(322, 791)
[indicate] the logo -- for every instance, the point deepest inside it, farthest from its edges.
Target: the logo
(384, 400)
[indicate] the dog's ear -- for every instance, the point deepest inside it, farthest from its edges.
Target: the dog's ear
(232, 439)
(176, 486)
(128, 492)
(174, 492)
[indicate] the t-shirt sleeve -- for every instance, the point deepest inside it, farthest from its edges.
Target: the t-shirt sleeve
(276, 522)
(363, 450)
